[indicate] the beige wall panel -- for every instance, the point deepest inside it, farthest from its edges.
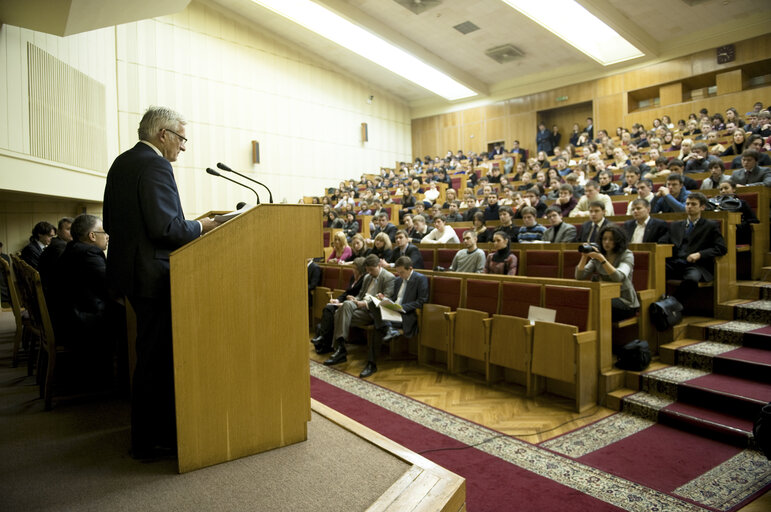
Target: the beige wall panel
(610, 113)
(450, 119)
(495, 130)
(473, 115)
(471, 138)
(730, 81)
(495, 110)
(610, 85)
(449, 140)
(671, 94)
(523, 127)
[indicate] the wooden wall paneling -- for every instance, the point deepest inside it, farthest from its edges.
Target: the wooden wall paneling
(495, 110)
(564, 118)
(495, 130)
(449, 139)
(730, 81)
(472, 115)
(471, 137)
(609, 112)
(609, 85)
(523, 127)
(671, 94)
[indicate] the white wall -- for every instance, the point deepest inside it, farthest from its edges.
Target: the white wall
(233, 82)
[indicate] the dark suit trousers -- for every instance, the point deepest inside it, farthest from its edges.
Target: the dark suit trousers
(690, 275)
(375, 342)
(153, 416)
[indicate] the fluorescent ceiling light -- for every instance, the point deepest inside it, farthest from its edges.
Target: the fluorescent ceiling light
(579, 28)
(341, 31)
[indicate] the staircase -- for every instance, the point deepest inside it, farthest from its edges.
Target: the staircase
(712, 380)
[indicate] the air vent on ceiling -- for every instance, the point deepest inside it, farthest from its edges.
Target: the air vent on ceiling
(466, 27)
(418, 6)
(505, 53)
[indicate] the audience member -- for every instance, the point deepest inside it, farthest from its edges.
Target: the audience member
(671, 198)
(751, 173)
(324, 330)
(42, 234)
(410, 291)
(558, 231)
(590, 229)
(381, 247)
(700, 160)
(615, 263)
(420, 230)
(501, 260)
(441, 234)
(383, 226)
(314, 279)
(592, 194)
(697, 242)
(716, 176)
(491, 211)
(454, 215)
(643, 228)
(52, 253)
(403, 247)
(483, 233)
(470, 258)
(530, 231)
(744, 228)
(507, 223)
(341, 251)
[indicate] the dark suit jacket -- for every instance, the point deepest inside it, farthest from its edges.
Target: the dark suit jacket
(411, 251)
(47, 261)
(31, 253)
(389, 230)
(143, 215)
(655, 230)
(314, 279)
(704, 239)
(586, 228)
(415, 296)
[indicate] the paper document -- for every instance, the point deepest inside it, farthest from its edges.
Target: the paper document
(541, 314)
(389, 310)
(232, 215)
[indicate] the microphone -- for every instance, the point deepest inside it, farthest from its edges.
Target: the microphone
(228, 169)
(211, 171)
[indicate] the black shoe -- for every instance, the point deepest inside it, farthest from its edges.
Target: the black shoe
(317, 340)
(339, 356)
(323, 348)
(368, 370)
(391, 334)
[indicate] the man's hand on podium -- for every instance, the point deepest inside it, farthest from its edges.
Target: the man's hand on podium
(208, 224)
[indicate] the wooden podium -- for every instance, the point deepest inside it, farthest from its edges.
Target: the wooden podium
(239, 297)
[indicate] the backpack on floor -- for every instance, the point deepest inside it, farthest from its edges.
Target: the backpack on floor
(634, 356)
(666, 313)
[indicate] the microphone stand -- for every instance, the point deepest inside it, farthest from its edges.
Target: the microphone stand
(211, 171)
(228, 169)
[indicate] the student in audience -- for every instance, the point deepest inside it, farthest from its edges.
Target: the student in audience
(491, 211)
(454, 215)
(442, 233)
(410, 290)
(590, 229)
(685, 150)
(700, 159)
(432, 194)
(383, 226)
(354, 310)
(643, 228)
(501, 260)
(543, 139)
(403, 247)
(558, 231)
(530, 231)
(744, 228)
(314, 279)
(592, 193)
(450, 195)
(697, 243)
(507, 223)
(532, 198)
(631, 178)
(408, 200)
(607, 187)
(469, 201)
(716, 177)
(470, 258)
(351, 225)
(754, 142)
(42, 234)
(615, 263)
(738, 143)
(420, 230)
(341, 251)
(620, 160)
(358, 247)
(52, 253)
(381, 247)
(672, 197)
(484, 234)
(751, 173)
(732, 116)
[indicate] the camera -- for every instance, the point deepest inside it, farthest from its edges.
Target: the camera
(587, 247)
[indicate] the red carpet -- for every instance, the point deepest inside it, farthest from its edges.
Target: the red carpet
(492, 484)
(730, 385)
(660, 457)
(753, 355)
(710, 415)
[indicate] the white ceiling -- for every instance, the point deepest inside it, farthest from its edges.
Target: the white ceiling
(661, 28)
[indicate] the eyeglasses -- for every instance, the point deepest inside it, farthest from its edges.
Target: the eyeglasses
(99, 232)
(183, 139)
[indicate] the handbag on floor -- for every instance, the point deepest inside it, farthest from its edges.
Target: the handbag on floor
(762, 430)
(665, 313)
(634, 356)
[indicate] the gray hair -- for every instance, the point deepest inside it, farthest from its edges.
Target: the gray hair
(82, 226)
(156, 119)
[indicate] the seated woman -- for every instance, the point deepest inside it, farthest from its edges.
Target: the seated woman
(484, 234)
(381, 246)
(325, 328)
(743, 229)
(615, 263)
(501, 260)
(432, 193)
(358, 247)
(341, 251)
(351, 226)
(334, 220)
(408, 200)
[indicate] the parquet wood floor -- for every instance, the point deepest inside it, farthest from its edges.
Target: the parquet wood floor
(501, 407)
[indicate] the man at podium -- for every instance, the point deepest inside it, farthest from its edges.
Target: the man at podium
(144, 219)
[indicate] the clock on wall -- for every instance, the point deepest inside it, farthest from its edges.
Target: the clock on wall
(726, 53)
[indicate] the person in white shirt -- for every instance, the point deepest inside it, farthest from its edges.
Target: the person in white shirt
(644, 191)
(432, 193)
(591, 194)
(442, 233)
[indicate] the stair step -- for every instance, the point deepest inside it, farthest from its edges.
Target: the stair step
(615, 398)
(737, 396)
(749, 362)
(667, 351)
(758, 338)
(755, 311)
(707, 422)
(735, 331)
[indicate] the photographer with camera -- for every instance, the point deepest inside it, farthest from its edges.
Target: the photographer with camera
(611, 261)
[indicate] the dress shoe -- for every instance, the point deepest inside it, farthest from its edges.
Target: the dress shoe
(317, 340)
(391, 334)
(339, 356)
(368, 370)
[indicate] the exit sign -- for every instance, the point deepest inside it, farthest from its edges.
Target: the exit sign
(562, 98)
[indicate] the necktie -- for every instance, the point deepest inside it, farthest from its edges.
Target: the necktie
(592, 233)
(689, 228)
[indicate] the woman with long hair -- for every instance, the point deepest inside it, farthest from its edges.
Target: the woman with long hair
(341, 251)
(739, 143)
(358, 247)
(613, 262)
(501, 260)
(381, 247)
(351, 225)
(483, 233)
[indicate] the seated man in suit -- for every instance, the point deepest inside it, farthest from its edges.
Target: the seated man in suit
(383, 226)
(354, 311)
(751, 173)
(51, 254)
(410, 291)
(42, 234)
(644, 229)
(697, 243)
(314, 279)
(591, 229)
(753, 142)
(558, 231)
(403, 247)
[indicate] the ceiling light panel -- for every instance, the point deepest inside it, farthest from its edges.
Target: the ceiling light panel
(578, 27)
(331, 26)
